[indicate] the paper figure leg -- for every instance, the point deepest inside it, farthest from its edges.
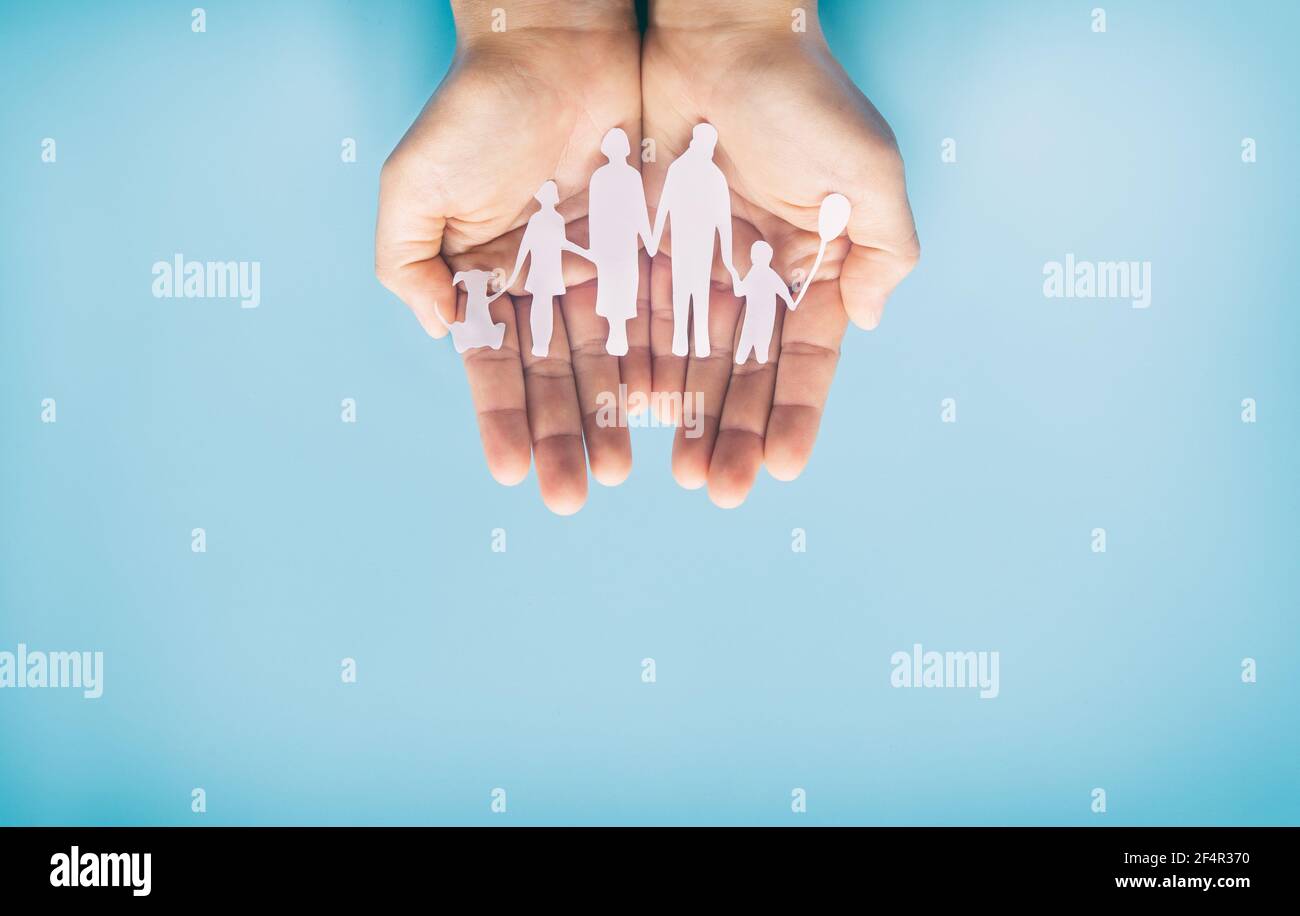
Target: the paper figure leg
(541, 321)
(681, 311)
(617, 343)
(700, 303)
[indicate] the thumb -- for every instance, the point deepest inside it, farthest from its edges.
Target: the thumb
(869, 276)
(885, 246)
(408, 245)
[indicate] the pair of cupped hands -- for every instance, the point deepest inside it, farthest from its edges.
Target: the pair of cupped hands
(530, 100)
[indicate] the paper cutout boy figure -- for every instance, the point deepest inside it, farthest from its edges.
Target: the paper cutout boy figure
(760, 287)
(478, 329)
(617, 215)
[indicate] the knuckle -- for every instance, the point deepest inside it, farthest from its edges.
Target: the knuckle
(910, 254)
(387, 276)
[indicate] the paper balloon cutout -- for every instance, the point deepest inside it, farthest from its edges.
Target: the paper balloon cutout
(832, 219)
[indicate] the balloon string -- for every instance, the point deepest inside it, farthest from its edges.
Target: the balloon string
(821, 253)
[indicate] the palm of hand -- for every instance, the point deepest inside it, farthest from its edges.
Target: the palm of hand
(492, 134)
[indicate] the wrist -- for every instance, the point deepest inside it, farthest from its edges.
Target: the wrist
(753, 17)
(481, 21)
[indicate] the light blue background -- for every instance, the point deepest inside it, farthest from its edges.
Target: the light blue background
(328, 540)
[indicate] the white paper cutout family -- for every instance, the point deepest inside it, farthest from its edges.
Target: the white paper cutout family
(698, 203)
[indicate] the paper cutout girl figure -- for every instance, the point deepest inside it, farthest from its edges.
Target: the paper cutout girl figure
(544, 240)
(760, 287)
(696, 196)
(617, 215)
(478, 329)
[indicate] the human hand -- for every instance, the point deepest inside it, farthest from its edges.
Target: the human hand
(793, 128)
(519, 107)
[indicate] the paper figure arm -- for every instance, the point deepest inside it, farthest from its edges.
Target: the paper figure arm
(723, 210)
(525, 245)
(578, 250)
(643, 221)
(661, 215)
(784, 292)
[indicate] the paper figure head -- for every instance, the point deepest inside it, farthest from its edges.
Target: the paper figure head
(615, 145)
(476, 281)
(760, 253)
(704, 138)
(547, 195)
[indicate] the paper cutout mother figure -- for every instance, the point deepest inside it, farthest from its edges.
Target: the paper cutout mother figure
(696, 197)
(544, 240)
(617, 215)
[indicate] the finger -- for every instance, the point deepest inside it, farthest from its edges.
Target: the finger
(885, 249)
(496, 386)
(668, 372)
(738, 451)
(704, 392)
(553, 415)
(596, 373)
(408, 243)
(868, 278)
(810, 349)
(635, 368)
